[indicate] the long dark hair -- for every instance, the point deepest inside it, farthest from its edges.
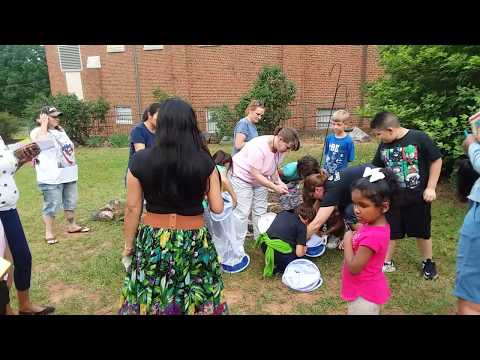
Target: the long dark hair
(222, 158)
(380, 190)
(466, 177)
(180, 158)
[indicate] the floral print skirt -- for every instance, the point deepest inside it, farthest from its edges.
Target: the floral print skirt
(173, 272)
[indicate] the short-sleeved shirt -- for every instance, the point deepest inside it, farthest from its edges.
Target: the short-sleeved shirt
(140, 135)
(338, 186)
(370, 283)
(474, 156)
(338, 153)
(256, 154)
(409, 158)
(246, 127)
(288, 227)
(9, 192)
(56, 165)
(290, 171)
(186, 204)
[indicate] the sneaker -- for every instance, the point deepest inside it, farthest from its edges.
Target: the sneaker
(242, 265)
(429, 270)
(333, 242)
(389, 266)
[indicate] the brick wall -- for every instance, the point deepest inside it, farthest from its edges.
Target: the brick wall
(213, 75)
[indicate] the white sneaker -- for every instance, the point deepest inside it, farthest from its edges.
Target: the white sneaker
(389, 266)
(333, 242)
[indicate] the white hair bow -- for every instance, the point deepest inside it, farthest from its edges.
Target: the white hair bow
(375, 174)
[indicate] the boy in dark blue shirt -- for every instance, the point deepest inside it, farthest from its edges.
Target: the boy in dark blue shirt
(339, 147)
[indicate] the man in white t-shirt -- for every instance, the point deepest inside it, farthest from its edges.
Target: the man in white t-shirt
(57, 173)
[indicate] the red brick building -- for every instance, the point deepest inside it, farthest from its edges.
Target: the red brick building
(208, 76)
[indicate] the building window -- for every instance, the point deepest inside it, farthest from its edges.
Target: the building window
(152, 47)
(69, 56)
(322, 118)
(123, 115)
(115, 48)
(211, 125)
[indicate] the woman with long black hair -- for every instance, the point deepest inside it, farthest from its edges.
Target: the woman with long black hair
(174, 268)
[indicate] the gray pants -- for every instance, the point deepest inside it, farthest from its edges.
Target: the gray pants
(250, 199)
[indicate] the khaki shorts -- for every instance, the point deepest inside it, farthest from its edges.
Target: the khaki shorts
(363, 307)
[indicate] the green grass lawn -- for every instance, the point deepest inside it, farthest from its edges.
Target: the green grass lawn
(82, 274)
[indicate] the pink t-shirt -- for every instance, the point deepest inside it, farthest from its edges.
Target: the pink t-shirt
(257, 154)
(370, 283)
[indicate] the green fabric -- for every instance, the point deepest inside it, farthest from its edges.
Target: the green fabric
(221, 168)
(272, 245)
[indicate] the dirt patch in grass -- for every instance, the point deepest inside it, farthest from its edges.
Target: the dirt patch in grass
(60, 291)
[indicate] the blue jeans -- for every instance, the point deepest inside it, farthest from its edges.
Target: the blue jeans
(59, 194)
(22, 258)
(467, 284)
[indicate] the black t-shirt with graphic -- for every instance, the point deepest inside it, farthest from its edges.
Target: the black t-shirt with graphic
(338, 186)
(288, 227)
(409, 158)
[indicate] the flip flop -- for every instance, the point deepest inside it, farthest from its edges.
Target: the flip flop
(46, 311)
(81, 229)
(51, 241)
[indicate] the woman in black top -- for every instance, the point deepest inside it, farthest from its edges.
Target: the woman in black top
(174, 268)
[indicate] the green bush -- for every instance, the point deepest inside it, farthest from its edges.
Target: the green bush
(119, 140)
(276, 91)
(9, 126)
(96, 141)
(159, 95)
(432, 88)
(224, 119)
(78, 115)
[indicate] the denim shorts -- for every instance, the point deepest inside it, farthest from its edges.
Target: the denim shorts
(58, 194)
(349, 215)
(467, 283)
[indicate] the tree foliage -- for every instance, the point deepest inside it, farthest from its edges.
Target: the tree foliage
(431, 88)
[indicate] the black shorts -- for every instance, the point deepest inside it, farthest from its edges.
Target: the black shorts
(412, 220)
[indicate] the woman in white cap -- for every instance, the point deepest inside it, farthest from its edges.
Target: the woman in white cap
(57, 173)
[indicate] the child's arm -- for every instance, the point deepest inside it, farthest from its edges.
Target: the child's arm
(351, 154)
(300, 250)
(355, 262)
(228, 186)
(434, 173)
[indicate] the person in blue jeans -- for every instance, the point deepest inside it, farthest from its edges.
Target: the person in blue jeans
(339, 147)
(245, 129)
(467, 282)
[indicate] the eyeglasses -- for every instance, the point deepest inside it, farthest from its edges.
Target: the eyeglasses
(259, 114)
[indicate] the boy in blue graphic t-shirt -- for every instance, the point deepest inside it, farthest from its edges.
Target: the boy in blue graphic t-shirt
(339, 147)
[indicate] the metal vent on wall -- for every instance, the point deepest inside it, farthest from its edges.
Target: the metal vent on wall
(69, 56)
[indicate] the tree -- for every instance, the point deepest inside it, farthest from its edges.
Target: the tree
(431, 88)
(23, 76)
(276, 91)
(78, 115)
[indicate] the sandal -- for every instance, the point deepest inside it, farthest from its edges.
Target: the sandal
(51, 241)
(46, 311)
(81, 229)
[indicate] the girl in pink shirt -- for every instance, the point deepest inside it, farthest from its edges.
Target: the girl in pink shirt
(364, 285)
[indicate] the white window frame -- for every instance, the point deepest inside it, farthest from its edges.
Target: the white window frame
(152, 47)
(115, 48)
(123, 119)
(60, 59)
(322, 117)
(211, 126)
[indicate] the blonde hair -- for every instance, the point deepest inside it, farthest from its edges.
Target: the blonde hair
(253, 105)
(340, 115)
